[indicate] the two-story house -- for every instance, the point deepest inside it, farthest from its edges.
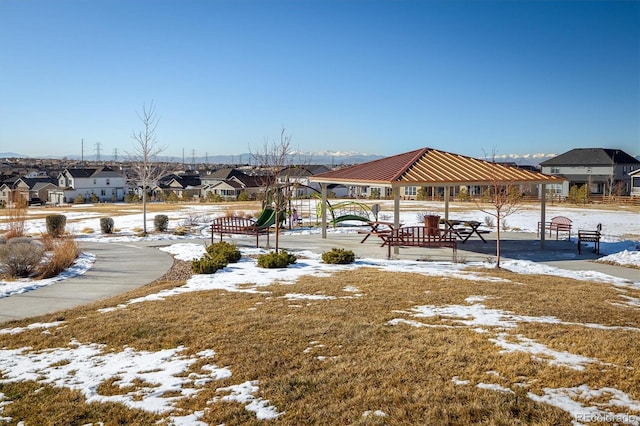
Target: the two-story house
(27, 188)
(604, 171)
(105, 183)
(228, 183)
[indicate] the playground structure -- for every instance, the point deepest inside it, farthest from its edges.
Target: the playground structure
(349, 211)
(343, 211)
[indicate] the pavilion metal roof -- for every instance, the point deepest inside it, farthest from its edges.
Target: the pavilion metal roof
(431, 167)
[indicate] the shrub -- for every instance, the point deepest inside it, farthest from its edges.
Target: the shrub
(106, 225)
(338, 256)
(20, 240)
(56, 224)
(213, 197)
(94, 198)
(19, 260)
(181, 230)
(161, 222)
(488, 221)
(79, 199)
(131, 198)
(244, 196)
(208, 264)
(276, 260)
(65, 251)
(227, 251)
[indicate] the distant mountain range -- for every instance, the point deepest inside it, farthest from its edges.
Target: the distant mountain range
(326, 157)
(322, 157)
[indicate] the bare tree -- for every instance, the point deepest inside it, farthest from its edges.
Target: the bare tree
(272, 158)
(145, 167)
(504, 198)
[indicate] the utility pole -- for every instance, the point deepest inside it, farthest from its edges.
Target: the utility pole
(82, 151)
(193, 158)
(98, 150)
(115, 155)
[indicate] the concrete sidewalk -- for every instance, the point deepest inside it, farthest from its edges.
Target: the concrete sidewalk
(118, 268)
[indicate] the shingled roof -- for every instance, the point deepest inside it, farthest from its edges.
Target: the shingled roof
(591, 157)
(430, 167)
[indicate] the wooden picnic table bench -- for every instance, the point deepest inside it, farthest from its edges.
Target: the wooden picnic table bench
(234, 225)
(557, 224)
(420, 236)
(590, 237)
(378, 228)
(464, 229)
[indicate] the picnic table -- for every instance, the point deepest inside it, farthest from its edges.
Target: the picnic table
(464, 229)
(381, 229)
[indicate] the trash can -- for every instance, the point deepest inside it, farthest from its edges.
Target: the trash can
(432, 223)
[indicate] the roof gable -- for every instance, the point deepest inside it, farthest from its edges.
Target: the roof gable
(591, 157)
(428, 166)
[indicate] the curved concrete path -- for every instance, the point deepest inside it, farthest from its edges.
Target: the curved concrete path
(118, 268)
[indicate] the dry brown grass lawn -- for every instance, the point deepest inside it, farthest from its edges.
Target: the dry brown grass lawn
(329, 361)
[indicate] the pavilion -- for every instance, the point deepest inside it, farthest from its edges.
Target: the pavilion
(427, 167)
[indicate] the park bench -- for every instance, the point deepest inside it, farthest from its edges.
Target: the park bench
(558, 224)
(420, 236)
(590, 237)
(233, 225)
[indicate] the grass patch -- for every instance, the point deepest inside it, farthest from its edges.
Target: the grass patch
(335, 360)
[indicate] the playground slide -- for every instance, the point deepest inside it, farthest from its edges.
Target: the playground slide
(268, 218)
(266, 215)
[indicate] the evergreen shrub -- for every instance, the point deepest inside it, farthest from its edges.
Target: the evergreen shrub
(106, 225)
(161, 222)
(225, 250)
(338, 256)
(276, 260)
(55, 224)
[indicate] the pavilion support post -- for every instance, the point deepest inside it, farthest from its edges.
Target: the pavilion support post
(543, 213)
(446, 202)
(323, 210)
(396, 214)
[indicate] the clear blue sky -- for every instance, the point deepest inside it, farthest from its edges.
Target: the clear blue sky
(370, 76)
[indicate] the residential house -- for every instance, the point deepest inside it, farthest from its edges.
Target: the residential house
(102, 182)
(228, 183)
(604, 171)
(185, 185)
(635, 183)
(27, 188)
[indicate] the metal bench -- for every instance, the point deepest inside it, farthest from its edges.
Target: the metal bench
(558, 224)
(236, 226)
(590, 237)
(420, 236)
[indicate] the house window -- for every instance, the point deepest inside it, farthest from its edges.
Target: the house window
(95, 181)
(410, 191)
(555, 170)
(108, 181)
(103, 192)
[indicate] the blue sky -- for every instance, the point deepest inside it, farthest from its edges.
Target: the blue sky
(370, 76)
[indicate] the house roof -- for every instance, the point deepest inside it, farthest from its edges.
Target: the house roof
(32, 182)
(86, 172)
(591, 157)
(223, 174)
(427, 166)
